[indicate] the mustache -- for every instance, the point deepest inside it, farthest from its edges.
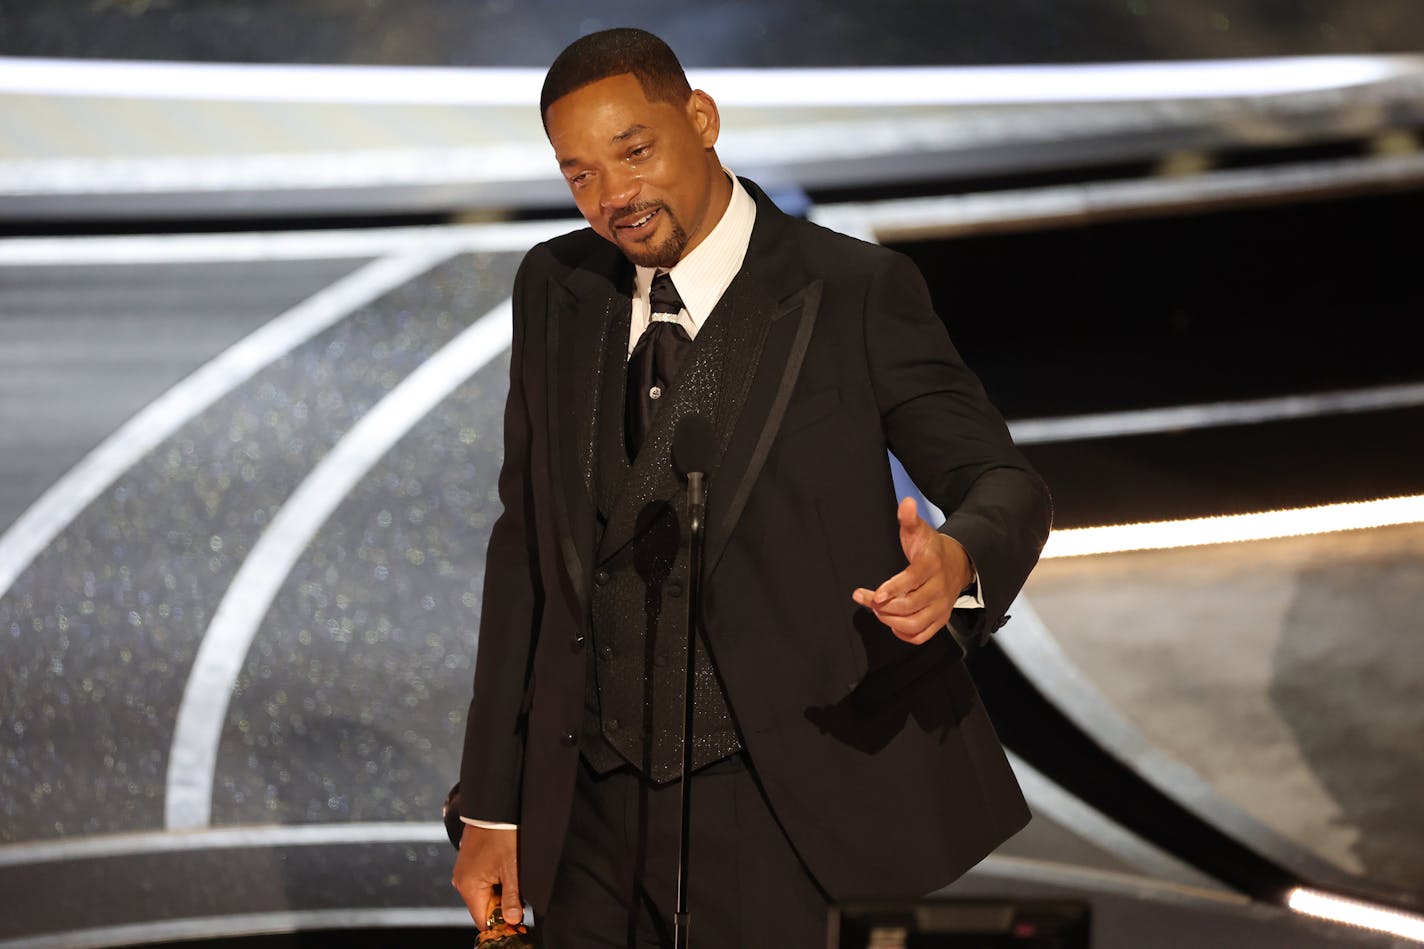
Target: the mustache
(635, 210)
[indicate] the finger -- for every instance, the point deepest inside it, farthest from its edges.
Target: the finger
(913, 528)
(915, 628)
(904, 593)
(907, 624)
(478, 900)
(512, 907)
(914, 603)
(868, 598)
(913, 631)
(915, 576)
(924, 635)
(908, 513)
(473, 884)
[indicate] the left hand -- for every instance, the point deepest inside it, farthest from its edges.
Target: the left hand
(916, 602)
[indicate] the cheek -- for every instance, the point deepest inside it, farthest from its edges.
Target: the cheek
(588, 206)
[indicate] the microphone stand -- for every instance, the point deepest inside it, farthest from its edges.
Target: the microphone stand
(697, 516)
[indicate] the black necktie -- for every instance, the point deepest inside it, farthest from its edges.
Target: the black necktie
(654, 362)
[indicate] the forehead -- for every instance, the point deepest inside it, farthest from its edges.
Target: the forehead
(599, 112)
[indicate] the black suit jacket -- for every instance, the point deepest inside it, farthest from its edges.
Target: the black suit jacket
(876, 755)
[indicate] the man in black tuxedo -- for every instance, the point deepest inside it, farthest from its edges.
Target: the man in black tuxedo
(841, 750)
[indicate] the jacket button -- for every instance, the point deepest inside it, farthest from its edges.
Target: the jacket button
(611, 724)
(569, 740)
(578, 642)
(674, 589)
(600, 577)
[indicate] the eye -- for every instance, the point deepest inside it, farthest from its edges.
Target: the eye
(641, 152)
(580, 179)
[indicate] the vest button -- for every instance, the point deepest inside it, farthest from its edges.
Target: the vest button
(605, 652)
(611, 724)
(569, 740)
(600, 577)
(674, 589)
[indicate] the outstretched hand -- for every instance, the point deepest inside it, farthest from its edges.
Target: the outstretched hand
(488, 859)
(916, 602)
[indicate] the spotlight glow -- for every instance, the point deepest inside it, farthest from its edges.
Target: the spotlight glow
(879, 86)
(1235, 528)
(1356, 913)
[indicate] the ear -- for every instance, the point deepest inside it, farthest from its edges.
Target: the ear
(702, 112)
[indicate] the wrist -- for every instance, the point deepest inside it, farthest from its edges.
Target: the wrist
(959, 566)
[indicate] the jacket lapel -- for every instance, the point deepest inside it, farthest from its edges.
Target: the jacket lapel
(790, 323)
(773, 293)
(586, 307)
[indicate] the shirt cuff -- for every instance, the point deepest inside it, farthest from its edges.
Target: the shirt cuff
(973, 597)
(489, 824)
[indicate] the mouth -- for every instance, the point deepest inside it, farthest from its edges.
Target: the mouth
(642, 223)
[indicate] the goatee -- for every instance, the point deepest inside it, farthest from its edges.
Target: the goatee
(664, 255)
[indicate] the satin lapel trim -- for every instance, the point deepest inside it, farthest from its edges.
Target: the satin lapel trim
(808, 303)
(580, 315)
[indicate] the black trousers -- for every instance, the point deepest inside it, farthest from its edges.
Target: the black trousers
(617, 883)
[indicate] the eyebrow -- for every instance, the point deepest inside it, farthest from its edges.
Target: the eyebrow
(629, 133)
(622, 136)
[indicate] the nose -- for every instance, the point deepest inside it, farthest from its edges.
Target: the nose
(620, 188)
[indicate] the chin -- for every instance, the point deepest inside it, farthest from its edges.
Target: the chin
(663, 254)
(664, 257)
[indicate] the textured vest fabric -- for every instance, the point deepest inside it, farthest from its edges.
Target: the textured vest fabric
(640, 584)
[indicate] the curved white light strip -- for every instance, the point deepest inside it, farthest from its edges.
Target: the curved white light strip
(1034, 649)
(149, 249)
(1013, 85)
(1233, 528)
(1356, 913)
(185, 929)
(1047, 798)
(1089, 201)
(192, 758)
(868, 86)
(1179, 418)
(270, 82)
(103, 846)
(71, 494)
(487, 164)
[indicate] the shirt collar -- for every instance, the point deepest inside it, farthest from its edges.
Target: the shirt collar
(703, 275)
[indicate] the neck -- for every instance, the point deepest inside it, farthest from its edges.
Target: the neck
(721, 197)
(721, 189)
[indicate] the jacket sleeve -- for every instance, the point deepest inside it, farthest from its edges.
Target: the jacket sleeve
(492, 762)
(953, 443)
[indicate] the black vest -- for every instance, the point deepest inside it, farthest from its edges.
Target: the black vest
(634, 703)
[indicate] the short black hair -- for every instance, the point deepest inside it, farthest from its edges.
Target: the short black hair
(616, 52)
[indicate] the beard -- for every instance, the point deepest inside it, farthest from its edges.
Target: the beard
(662, 254)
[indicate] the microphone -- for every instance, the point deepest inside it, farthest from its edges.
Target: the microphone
(693, 446)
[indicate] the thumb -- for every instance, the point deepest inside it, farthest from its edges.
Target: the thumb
(511, 906)
(911, 526)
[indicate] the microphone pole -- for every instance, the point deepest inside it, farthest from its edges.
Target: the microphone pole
(693, 447)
